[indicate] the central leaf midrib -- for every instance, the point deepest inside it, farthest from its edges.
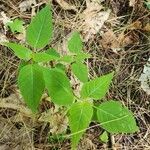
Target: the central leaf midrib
(81, 111)
(117, 119)
(95, 89)
(32, 82)
(65, 89)
(40, 31)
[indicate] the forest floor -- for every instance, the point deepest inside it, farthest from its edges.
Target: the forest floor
(117, 35)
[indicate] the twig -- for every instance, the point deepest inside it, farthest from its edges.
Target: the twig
(112, 142)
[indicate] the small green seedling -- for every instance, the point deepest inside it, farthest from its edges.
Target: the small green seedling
(34, 79)
(104, 137)
(147, 3)
(56, 138)
(16, 26)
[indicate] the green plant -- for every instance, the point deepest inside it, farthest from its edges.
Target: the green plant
(34, 78)
(16, 25)
(104, 137)
(147, 3)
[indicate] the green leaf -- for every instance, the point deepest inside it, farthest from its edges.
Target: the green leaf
(116, 119)
(55, 138)
(147, 4)
(43, 57)
(97, 88)
(104, 137)
(53, 52)
(16, 26)
(75, 58)
(22, 64)
(80, 70)
(58, 86)
(20, 51)
(81, 56)
(67, 59)
(75, 44)
(80, 115)
(39, 31)
(61, 66)
(94, 118)
(31, 85)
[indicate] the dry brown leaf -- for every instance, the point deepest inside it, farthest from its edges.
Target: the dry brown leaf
(58, 121)
(3, 38)
(135, 25)
(66, 6)
(117, 41)
(147, 27)
(26, 5)
(21, 37)
(131, 38)
(93, 19)
(132, 3)
(111, 41)
(76, 85)
(4, 18)
(127, 40)
(86, 144)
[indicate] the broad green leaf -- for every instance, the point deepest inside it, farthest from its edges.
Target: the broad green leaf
(80, 115)
(80, 70)
(58, 86)
(67, 59)
(81, 56)
(75, 44)
(22, 64)
(43, 57)
(60, 66)
(94, 118)
(115, 118)
(97, 88)
(104, 137)
(16, 26)
(31, 85)
(39, 31)
(74, 58)
(20, 51)
(52, 52)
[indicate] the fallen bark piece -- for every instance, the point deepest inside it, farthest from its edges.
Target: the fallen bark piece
(145, 78)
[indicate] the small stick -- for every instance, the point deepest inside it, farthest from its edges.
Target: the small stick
(112, 142)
